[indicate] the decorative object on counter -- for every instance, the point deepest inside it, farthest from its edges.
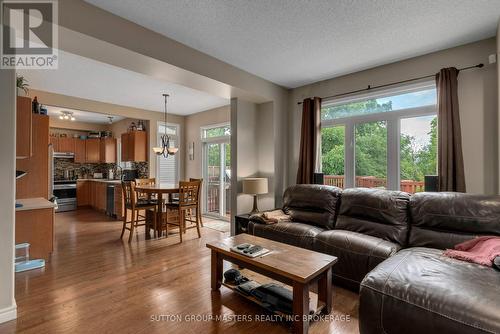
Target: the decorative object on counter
(106, 134)
(43, 110)
(35, 105)
(191, 151)
(94, 134)
(22, 86)
(165, 148)
(140, 126)
(255, 186)
(132, 127)
(66, 115)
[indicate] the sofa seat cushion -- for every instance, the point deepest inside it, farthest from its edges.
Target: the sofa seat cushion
(419, 290)
(357, 253)
(292, 233)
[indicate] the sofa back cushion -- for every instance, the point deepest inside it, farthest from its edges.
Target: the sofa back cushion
(312, 204)
(442, 220)
(379, 213)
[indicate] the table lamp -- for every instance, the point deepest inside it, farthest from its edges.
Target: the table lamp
(255, 186)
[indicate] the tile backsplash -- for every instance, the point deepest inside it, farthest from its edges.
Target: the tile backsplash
(84, 170)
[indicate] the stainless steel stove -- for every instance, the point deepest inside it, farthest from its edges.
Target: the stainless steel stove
(65, 191)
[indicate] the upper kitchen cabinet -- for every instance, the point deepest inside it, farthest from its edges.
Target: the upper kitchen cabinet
(134, 146)
(108, 150)
(80, 150)
(93, 153)
(54, 141)
(24, 128)
(66, 145)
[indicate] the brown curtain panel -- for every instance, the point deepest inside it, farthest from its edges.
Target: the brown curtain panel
(450, 159)
(309, 140)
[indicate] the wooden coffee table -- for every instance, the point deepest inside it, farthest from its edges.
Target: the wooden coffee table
(294, 266)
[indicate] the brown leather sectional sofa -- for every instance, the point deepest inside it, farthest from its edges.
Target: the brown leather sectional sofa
(390, 245)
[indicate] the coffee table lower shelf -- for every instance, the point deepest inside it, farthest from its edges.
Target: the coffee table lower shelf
(315, 308)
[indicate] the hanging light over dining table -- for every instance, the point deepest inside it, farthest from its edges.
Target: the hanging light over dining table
(165, 149)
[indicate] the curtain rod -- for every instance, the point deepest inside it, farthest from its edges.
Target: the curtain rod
(395, 83)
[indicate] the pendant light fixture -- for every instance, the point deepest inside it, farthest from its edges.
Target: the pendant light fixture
(165, 148)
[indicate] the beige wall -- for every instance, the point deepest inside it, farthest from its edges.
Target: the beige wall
(244, 160)
(264, 135)
(193, 124)
(7, 195)
(477, 97)
(498, 93)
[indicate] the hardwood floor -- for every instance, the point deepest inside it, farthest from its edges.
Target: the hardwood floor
(96, 283)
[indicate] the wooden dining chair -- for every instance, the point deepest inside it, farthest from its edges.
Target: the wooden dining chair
(135, 205)
(198, 209)
(142, 182)
(188, 200)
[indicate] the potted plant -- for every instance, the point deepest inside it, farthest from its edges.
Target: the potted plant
(22, 86)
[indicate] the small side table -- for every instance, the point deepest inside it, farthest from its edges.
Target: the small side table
(241, 222)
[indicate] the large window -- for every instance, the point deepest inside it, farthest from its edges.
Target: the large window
(167, 169)
(384, 140)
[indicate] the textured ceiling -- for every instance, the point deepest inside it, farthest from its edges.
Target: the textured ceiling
(89, 79)
(296, 42)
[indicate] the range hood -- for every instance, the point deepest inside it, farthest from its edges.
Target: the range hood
(67, 155)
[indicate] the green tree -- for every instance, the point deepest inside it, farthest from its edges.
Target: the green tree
(371, 145)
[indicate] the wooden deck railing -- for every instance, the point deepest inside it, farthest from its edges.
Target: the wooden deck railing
(409, 186)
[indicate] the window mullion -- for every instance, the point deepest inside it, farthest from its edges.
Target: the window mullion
(349, 170)
(393, 175)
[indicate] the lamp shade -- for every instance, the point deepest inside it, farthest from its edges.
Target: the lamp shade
(255, 185)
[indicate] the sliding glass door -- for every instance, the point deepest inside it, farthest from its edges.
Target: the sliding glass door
(218, 175)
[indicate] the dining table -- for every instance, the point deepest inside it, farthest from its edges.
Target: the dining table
(160, 189)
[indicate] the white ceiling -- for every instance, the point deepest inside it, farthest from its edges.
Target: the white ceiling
(89, 79)
(82, 116)
(296, 42)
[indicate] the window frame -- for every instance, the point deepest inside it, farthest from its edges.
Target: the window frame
(213, 126)
(393, 119)
(176, 156)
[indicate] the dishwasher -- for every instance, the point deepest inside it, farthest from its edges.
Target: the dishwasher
(110, 200)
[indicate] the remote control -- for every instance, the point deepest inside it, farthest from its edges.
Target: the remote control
(253, 249)
(243, 246)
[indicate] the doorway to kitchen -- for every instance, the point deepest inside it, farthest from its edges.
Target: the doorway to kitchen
(217, 170)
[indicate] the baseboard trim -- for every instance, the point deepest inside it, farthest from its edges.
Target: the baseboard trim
(8, 313)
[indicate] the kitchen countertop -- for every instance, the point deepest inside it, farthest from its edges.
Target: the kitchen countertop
(34, 204)
(102, 180)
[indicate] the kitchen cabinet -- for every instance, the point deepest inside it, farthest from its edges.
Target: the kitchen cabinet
(83, 193)
(93, 193)
(36, 181)
(101, 196)
(118, 202)
(66, 145)
(24, 127)
(92, 150)
(134, 146)
(80, 150)
(35, 225)
(108, 150)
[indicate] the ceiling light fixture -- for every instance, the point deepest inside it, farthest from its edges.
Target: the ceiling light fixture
(165, 148)
(110, 119)
(67, 115)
